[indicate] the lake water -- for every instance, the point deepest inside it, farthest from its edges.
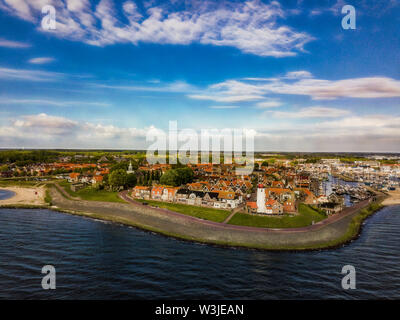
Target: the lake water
(6, 194)
(97, 260)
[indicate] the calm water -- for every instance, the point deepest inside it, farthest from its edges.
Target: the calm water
(6, 194)
(96, 260)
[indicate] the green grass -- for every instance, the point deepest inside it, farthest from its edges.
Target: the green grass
(211, 214)
(92, 194)
(8, 183)
(305, 218)
(47, 198)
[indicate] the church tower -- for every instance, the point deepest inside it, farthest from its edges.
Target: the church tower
(130, 169)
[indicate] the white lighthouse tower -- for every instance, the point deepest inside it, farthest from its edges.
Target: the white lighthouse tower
(261, 199)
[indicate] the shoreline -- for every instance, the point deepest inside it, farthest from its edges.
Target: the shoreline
(393, 198)
(336, 234)
(128, 223)
(24, 196)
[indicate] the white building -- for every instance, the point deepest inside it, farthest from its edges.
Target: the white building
(261, 208)
(130, 169)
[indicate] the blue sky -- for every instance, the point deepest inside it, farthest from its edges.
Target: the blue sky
(288, 70)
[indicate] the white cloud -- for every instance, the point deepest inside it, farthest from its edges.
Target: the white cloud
(223, 98)
(311, 112)
(252, 26)
(46, 124)
(353, 133)
(156, 86)
(372, 133)
(298, 75)
(41, 60)
(373, 87)
(43, 130)
(268, 104)
(223, 107)
(56, 103)
(13, 44)
(30, 75)
(301, 83)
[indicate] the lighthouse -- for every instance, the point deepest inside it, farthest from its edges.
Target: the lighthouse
(261, 199)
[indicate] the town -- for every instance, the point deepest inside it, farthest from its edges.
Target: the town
(281, 185)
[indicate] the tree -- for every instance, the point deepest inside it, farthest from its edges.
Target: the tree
(169, 178)
(185, 175)
(131, 180)
(119, 166)
(118, 178)
(177, 177)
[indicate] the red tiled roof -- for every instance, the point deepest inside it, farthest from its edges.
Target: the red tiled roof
(251, 204)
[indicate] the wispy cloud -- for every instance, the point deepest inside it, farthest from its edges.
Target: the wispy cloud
(268, 104)
(13, 44)
(223, 107)
(252, 27)
(300, 83)
(41, 60)
(56, 103)
(155, 86)
(310, 112)
(298, 75)
(318, 89)
(29, 75)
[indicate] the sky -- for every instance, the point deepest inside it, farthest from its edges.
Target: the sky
(111, 71)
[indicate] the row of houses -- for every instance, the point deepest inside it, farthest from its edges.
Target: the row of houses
(184, 195)
(281, 200)
(237, 186)
(76, 177)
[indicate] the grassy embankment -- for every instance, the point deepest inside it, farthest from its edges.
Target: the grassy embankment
(47, 197)
(305, 218)
(91, 194)
(349, 234)
(352, 232)
(211, 214)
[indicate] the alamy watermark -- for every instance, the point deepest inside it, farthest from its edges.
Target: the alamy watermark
(349, 280)
(49, 20)
(228, 146)
(49, 280)
(349, 20)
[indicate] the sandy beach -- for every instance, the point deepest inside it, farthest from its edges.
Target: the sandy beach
(393, 199)
(25, 196)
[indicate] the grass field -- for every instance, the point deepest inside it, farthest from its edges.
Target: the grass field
(305, 218)
(17, 183)
(194, 211)
(92, 194)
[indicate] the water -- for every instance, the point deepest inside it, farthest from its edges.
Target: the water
(97, 260)
(327, 187)
(6, 194)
